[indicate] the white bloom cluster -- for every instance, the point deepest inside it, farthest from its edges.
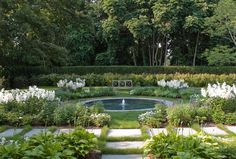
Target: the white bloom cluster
(143, 117)
(219, 90)
(176, 84)
(4, 141)
(100, 116)
(79, 83)
(23, 95)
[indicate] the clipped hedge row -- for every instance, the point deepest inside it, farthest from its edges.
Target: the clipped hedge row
(83, 70)
(194, 80)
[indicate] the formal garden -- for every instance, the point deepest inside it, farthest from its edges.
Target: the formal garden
(118, 79)
(156, 115)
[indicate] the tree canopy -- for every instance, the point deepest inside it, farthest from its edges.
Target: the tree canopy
(117, 32)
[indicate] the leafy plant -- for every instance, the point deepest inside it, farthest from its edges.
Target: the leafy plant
(177, 146)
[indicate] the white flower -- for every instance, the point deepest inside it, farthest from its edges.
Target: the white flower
(79, 83)
(24, 95)
(176, 84)
(219, 90)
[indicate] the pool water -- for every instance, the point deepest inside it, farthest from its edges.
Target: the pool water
(126, 104)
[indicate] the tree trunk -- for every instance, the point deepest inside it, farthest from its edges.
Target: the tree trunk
(166, 47)
(195, 50)
(161, 53)
(143, 54)
(150, 56)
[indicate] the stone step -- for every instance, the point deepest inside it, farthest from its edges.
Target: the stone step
(63, 130)
(124, 133)
(35, 131)
(122, 156)
(96, 132)
(125, 145)
(10, 132)
(179, 131)
(156, 131)
(232, 128)
(213, 131)
(185, 131)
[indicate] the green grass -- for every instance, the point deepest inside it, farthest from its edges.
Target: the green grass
(125, 120)
(3, 128)
(126, 138)
(122, 151)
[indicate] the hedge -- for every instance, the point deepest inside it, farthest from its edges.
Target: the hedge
(194, 80)
(83, 70)
(1, 72)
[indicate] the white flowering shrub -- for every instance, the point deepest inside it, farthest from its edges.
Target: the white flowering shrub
(152, 118)
(219, 90)
(24, 95)
(71, 85)
(100, 119)
(143, 117)
(175, 84)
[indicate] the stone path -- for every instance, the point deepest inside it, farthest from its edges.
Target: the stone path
(121, 156)
(35, 131)
(232, 128)
(10, 132)
(124, 133)
(185, 131)
(214, 131)
(121, 145)
(125, 145)
(153, 132)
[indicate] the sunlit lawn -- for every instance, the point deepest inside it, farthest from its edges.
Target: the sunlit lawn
(125, 119)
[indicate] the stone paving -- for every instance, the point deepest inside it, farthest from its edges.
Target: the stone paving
(125, 145)
(185, 131)
(124, 133)
(35, 131)
(213, 131)
(63, 130)
(122, 156)
(10, 132)
(232, 128)
(154, 132)
(96, 132)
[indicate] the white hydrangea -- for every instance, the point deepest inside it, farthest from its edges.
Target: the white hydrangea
(219, 90)
(23, 95)
(79, 83)
(143, 117)
(176, 84)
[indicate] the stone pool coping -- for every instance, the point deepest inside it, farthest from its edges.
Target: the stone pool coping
(164, 102)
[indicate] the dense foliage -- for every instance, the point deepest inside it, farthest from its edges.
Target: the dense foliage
(193, 80)
(197, 146)
(77, 144)
(83, 70)
(106, 32)
(40, 107)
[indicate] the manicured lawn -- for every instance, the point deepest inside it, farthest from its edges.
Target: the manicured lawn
(125, 119)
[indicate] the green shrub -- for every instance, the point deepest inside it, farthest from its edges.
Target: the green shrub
(143, 91)
(65, 114)
(194, 80)
(100, 119)
(20, 82)
(180, 147)
(185, 115)
(154, 118)
(77, 144)
(85, 93)
(97, 107)
(34, 111)
(82, 70)
(223, 110)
